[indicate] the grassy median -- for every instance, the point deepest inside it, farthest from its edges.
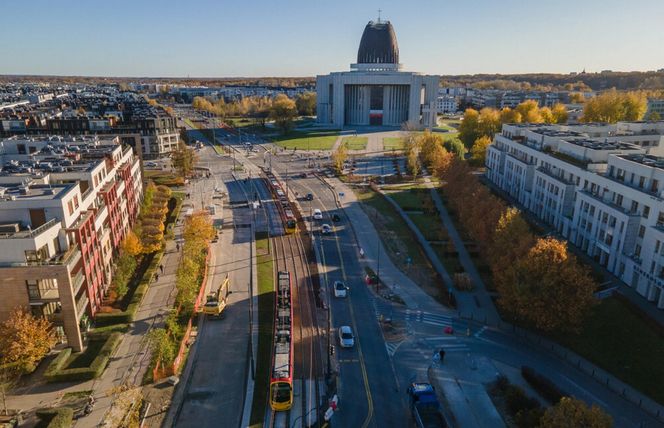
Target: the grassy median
(265, 272)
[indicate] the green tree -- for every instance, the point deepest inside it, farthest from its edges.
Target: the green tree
(162, 346)
(547, 287)
(412, 163)
(306, 103)
(573, 413)
(469, 129)
(283, 112)
(454, 146)
(124, 271)
(25, 339)
(184, 160)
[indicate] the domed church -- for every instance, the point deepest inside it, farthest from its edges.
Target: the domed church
(376, 92)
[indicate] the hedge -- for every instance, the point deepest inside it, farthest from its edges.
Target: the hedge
(127, 316)
(104, 332)
(542, 385)
(58, 362)
(58, 417)
(55, 372)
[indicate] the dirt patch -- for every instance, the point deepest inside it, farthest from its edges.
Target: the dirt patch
(393, 331)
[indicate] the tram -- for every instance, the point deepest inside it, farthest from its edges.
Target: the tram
(281, 375)
(284, 205)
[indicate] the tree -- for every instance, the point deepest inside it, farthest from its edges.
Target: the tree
(469, 128)
(489, 122)
(560, 113)
(9, 376)
(124, 271)
(507, 115)
(529, 111)
(25, 339)
(455, 146)
(306, 103)
(547, 115)
(573, 413)
(439, 161)
(131, 244)
(511, 241)
(198, 228)
(613, 106)
(653, 116)
(283, 112)
(478, 151)
(339, 157)
(412, 163)
(577, 98)
(184, 159)
(547, 287)
(162, 346)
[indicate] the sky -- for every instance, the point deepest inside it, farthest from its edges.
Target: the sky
(252, 38)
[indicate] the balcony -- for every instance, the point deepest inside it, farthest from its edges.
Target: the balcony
(43, 295)
(81, 305)
(69, 257)
(55, 318)
(77, 282)
(30, 233)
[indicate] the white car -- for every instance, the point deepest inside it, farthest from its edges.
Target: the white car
(346, 338)
(326, 229)
(340, 289)
(318, 214)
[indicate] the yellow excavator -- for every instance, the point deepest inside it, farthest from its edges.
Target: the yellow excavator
(216, 301)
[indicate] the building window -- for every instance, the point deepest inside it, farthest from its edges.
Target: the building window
(642, 181)
(657, 245)
(642, 231)
(70, 207)
(654, 186)
(619, 200)
(646, 211)
(635, 206)
(21, 149)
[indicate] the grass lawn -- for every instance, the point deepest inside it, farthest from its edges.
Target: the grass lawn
(265, 320)
(620, 342)
(314, 140)
(355, 143)
(394, 143)
(164, 178)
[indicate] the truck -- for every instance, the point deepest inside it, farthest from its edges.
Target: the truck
(424, 406)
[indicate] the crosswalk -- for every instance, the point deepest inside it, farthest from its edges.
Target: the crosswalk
(448, 343)
(429, 318)
(392, 347)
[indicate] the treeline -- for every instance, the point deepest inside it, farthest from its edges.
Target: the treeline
(538, 281)
(630, 80)
(258, 107)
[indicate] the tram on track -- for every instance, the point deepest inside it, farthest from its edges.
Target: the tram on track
(281, 375)
(284, 205)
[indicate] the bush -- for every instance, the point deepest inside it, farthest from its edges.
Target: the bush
(96, 368)
(102, 332)
(58, 362)
(529, 418)
(517, 400)
(60, 417)
(542, 385)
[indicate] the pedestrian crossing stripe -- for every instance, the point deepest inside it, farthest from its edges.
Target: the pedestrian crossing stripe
(392, 347)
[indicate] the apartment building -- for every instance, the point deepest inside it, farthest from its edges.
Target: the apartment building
(446, 104)
(65, 205)
(601, 186)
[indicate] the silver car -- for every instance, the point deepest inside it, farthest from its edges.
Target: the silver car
(346, 338)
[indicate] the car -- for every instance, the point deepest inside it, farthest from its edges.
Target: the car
(340, 289)
(336, 217)
(318, 214)
(309, 197)
(326, 229)
(346, 338)
(151, 164)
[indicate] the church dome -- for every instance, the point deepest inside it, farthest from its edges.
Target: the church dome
(378, 44)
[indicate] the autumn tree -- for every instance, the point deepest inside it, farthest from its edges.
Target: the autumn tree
(573, 413)
(412, 163)
(478, 151)
(560, 113)
(469, 130)
(511, 241)
(25, 339)
(507, 115)
(131, 244)
(184, 160)
(283, 112)
(428, 143)
(306, 103)
(339, 157)
(198, 228)
(653, 116)
(613, 106)
(547, 287)
(529, 111)
(489, 122)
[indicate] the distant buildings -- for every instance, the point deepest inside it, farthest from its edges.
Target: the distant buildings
(655, 106)
(65, 206)
(600, 186)
(376, 92)
(446, 104)
(82, 110)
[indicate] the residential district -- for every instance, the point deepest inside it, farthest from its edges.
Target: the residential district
(372, 248)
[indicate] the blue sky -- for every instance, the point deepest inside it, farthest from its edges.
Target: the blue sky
(206, 38)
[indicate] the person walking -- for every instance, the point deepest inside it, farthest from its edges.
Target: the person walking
(161, 268)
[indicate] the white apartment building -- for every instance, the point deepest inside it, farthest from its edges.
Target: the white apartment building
(446, 104)
(65, 205)
(600, 186)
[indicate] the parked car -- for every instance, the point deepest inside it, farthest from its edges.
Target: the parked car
(309, 197)
(318, 214)
(340, 289)
(326, 229)
(151, 164)
(346, 338)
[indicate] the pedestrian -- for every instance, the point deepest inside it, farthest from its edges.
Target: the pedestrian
(441, 354)
(361, 252)
(156, 277)
(161, 268)
(177, 246)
